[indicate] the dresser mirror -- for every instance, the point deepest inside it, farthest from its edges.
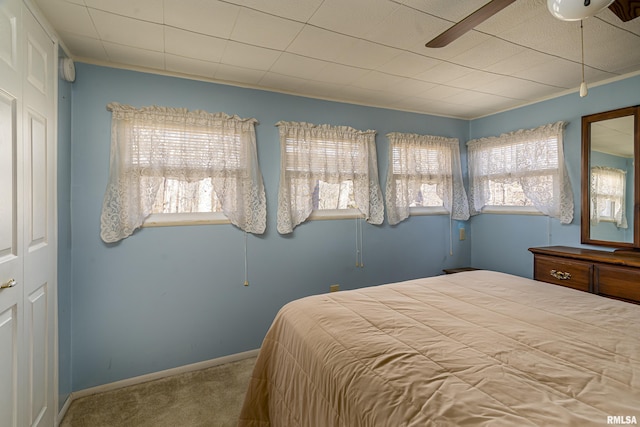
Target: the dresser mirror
(610, 212)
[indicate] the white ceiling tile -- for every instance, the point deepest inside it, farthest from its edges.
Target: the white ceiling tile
(512, 87)
(128, 31)
(410, 87)
(281, 82)
(473, 80)
(467, 42)
(264, 30)
(235, 74)
(290, 64)
(450, 11)
(378, 81)
(408, 64)
(367, 55)
(518, 62)
(440, 92)
(363, 51)
(190, 66)
(146, 10)
(546, 34)
(214, 18)
(487, 53)
(247, 56)
(320, 44)
(353, 17)
(443, 72)
(556, 72)
(84, 47)
(407, 29)
(600, 39)
(69, 17)
(372, 96)
(298, 10)
(473, 98)
(412, 103)
(193, 45)
(322, 90)
(134, 56)
(340, 74)
(516, 15)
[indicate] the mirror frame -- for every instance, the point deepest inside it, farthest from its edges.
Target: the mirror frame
(585, 214)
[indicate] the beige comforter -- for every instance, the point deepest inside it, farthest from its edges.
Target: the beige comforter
(474, 348)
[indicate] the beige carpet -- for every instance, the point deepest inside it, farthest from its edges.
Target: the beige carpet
(209, 397)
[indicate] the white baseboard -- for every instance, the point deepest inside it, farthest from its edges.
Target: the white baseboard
(153, 376)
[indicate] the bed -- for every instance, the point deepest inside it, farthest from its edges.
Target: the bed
(472, 348)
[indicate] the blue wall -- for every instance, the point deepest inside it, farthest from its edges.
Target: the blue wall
(171, 296)
(500, 242)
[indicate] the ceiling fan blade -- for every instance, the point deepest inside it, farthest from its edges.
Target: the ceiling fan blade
(626, 10)
(468, 23)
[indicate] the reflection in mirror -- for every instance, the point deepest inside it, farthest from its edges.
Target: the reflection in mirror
(612, 180)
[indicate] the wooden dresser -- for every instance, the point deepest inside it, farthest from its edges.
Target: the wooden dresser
(610, 274)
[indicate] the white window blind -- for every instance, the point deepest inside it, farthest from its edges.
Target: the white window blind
(520, 168)
(326, 167)
(424, 171)
(608, 195)
(169, 160)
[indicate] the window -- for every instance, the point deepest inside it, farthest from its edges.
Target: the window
(170, 161)
(424, 172)
(608, 195)
(521, 169)
(327, 168)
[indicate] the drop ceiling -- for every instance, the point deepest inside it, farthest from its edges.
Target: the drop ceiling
(368, 52)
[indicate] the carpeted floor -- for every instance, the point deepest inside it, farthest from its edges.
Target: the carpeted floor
(210, 397)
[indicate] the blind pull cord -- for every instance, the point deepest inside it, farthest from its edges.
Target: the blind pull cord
(359, 255)
(450, 234)
(246, 262)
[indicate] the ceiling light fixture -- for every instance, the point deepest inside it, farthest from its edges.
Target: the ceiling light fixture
(576, 10)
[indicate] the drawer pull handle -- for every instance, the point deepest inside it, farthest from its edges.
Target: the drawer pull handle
(560, 275)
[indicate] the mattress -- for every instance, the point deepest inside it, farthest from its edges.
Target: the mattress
(472, 348)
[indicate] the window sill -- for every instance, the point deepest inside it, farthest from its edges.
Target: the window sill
(511, 210)
(197, 218)
(428, 210)
(324, 214)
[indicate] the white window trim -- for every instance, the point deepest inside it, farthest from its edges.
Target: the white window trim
(559, 206)
(176, 219)
(130, 158)
(511, 210)
(428, 210)
(368, 195)
(328, 214)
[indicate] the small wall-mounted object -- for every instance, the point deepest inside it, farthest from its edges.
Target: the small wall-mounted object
(67, 69)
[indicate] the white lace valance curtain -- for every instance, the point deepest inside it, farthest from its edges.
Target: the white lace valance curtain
(415, 160)
(608, 190)
(151, 145)
(534, 158)
(334, 154)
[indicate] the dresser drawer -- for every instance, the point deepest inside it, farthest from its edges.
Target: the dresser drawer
(564, 272)
(618, 282)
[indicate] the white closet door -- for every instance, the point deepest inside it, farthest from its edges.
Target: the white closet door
(28, 378)
(11, 210)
